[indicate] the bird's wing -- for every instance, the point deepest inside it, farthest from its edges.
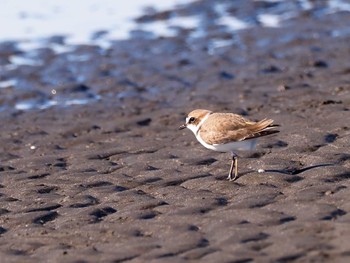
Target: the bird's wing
(228, 127)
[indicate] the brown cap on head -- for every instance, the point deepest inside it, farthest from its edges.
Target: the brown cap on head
(197, 115)
(194, 117)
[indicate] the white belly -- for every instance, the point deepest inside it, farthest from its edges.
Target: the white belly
(230, 147)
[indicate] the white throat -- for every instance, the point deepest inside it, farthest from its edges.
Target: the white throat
(195, 128)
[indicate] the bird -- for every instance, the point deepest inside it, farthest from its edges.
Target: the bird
(227, 132)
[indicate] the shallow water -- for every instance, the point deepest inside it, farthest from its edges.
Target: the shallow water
(44, 50)
(78, 19)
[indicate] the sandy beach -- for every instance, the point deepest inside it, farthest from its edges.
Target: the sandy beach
(114, 180)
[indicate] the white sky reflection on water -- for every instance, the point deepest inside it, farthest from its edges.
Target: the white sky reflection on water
(27, 20)
(8, 83)
(79, 19)
(269, 20)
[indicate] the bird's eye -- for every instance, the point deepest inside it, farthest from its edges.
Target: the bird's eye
(192, 119)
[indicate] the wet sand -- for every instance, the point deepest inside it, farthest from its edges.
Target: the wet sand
(115, 181)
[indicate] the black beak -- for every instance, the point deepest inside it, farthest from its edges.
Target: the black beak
(183, 126)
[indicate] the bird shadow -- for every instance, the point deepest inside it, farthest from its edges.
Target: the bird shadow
(291, 171)
(294, 171)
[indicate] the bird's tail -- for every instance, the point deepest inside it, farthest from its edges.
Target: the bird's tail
(262, 128)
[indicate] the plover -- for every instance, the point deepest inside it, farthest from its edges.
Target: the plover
(227, 132)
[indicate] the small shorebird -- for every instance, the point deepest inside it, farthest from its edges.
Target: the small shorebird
(227, 132)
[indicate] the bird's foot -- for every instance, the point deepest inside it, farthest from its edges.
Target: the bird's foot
(231, 178)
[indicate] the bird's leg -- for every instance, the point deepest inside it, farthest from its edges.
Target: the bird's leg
(234, 164)
(236, 168)
(229, 177)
